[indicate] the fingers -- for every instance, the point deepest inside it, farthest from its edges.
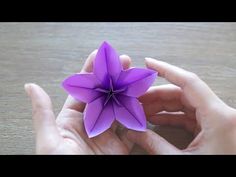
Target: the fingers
(72, 121)
(109, 143)
(88, 65)
(71, 103)
(177, 120)
(125, 61)
(114, 126)
(43, 116)
(158, 106)
(161, 98)
(121, 132)
(196, 91)
(163, 92)
(165, 98)
(152, 142)
(123, 137)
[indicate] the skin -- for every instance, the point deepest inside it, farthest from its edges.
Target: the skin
(66, 134)
(188, 103)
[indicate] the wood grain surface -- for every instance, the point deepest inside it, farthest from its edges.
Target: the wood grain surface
(46, 53)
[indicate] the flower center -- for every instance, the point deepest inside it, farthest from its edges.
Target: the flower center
(111, 93)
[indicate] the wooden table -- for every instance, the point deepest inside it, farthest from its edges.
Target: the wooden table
(46, 53)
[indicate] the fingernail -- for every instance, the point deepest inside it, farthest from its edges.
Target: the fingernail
(27, 87)
(95, 51)
(148, 59)
(124, 55)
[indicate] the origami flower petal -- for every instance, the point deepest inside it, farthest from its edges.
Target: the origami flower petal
(107, 63)
(137, 81)
(110, 92)
(81, 87)
(130, 114)
(98, 117)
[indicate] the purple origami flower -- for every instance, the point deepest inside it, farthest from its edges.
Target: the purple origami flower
(110, 92)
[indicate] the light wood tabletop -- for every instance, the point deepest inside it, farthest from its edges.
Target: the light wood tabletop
(46, 53)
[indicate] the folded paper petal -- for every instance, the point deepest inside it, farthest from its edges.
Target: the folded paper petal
(136, 80)
(130, 113)
(107, 64)
(110, 92)
(81, 87)
(98, 117)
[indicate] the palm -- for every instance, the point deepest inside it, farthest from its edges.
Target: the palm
(74, 140)
(67, 135)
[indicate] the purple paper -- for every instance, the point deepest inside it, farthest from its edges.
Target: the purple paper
(110, 92)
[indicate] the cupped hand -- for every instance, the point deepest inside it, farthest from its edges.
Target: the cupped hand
(188, 103)
(66, 134)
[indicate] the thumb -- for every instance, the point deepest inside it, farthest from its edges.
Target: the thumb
(152, 142)
(43, 116)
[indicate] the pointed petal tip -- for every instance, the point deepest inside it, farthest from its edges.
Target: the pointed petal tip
(95, 131)
(153, 72)
(140, 128)
(64, 83)
(97, 118)
(92, 134)
(105, 44)
(144, 128)
(89, 133)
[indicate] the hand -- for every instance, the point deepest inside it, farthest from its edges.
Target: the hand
(190, 104)
(66, 134)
